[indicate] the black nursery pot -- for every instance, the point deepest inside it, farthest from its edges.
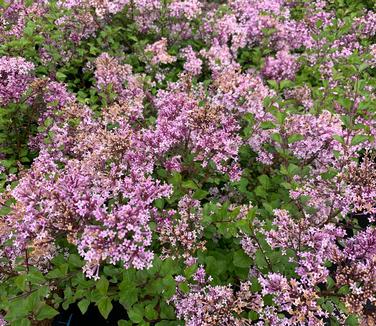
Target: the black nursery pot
(74, 317)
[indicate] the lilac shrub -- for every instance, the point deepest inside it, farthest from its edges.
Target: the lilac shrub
(201, 163)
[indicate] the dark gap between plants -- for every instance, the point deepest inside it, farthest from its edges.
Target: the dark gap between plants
(74, 317)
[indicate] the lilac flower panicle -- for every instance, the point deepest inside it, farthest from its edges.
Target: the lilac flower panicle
(15, 77)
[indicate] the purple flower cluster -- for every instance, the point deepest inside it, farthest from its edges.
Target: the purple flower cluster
(15, 14)
(99, 166)
(159, 52)
(183, 126)
(15, 77)
(102, 8)
(182, 235)
(118, 79)
(206, 305)
(283, 66)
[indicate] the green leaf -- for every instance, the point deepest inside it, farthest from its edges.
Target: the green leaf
(124, 323)
(128, 295)
(285, 84)
(104, 306)
(170, 286)
(136, 314)
(18, 309)
(273, 84)
(358, 139)
(167, 312)
(129, 277)
(330, 174)
(169, 267)
(277, 138)
(268, 207)
(22, 322)
(83, 305)
(293, 169)
(190, 270)
(166, 323)
(75, 261)
(280, 116)
(344, 289)
(102, 285)
(33, 301)
(29, 29)
(363, 66)
(60, 76)
(189, 184)
(46, 312)
(7, 163)
(267, 125)
(339, 138)
(55, 273)
(265, 181)
(5, 211)
(49, 121)
(286, 185)
(20, 282)
(252, 315)
(330, 282)
(260, 192)
(260, 260)
(241, 259)
(35, 277)
(200, 194)
(352, 320)
(294, 138)
(184, 287)
(159, 203)
(150, 312)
